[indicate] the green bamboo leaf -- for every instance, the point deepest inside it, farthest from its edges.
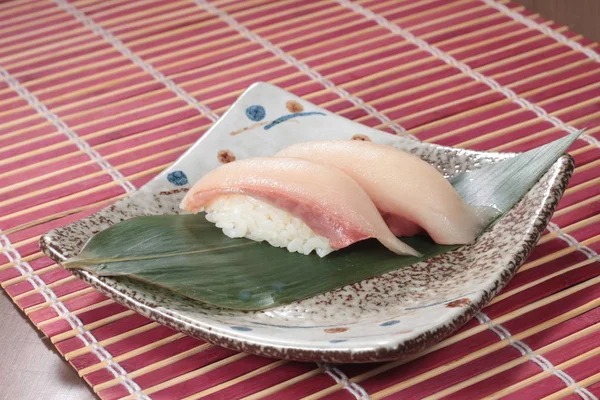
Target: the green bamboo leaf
(188, 255)
(503, 184)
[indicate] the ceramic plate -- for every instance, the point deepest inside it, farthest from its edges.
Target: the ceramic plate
(382, 318)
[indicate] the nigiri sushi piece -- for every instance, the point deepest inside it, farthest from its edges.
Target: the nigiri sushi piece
(291, 203)
(411, 194)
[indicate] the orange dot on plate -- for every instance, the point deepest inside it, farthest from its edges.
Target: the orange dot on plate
(459, 303)
(335, 330)
(225, 156)
(294, 107)
(363, 138)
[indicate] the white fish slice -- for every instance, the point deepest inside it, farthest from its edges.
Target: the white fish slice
(410, 193)
(331, 203)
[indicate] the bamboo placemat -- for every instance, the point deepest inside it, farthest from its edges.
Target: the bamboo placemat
(97, 97)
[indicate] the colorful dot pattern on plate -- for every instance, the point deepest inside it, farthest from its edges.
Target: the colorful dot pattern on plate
(390, 323)
(225, 156)
(363, 138)
(178, 178)
(459, 303)
(241, 328)
(293, 106)
(336, 330)
(256, 113)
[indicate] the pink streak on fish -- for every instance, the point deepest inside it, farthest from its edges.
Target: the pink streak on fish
(325, 198)
(409, 192)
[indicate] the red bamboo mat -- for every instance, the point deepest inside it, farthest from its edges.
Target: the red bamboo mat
(97, 97)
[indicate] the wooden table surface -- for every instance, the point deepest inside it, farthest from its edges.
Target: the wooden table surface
(580, 16)
(29, 367)
(31, 370)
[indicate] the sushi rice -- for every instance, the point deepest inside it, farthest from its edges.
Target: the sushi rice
(244, 216)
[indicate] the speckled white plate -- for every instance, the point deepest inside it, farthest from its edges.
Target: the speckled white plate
(382, 318)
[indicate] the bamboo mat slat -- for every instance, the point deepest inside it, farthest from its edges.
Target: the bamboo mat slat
(97, 98)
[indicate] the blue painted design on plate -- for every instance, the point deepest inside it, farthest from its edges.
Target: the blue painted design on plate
(284, 118)
(178, 178)
(241, 328)
(390, 323)
(256, 112)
